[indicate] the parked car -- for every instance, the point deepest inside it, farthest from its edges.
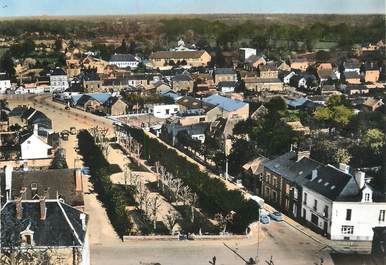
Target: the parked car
(264, 219)
(278, 217)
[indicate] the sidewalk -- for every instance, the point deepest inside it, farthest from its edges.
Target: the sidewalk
(358, 247)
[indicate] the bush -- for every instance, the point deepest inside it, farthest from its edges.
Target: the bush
(214, 197)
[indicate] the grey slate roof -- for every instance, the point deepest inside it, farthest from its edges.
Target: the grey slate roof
(224, 102)
(289, 168)
(61, 228)
(50, 183)
(330, 182)
(123, 58)
(225, 71)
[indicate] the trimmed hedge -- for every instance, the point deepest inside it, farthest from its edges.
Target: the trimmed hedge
(214, 197)
(111, 195)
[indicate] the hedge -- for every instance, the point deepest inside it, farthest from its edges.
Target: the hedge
(110, 195)
(213, 195)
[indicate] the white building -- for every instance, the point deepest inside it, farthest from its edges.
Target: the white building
(164, 111)
(245, 53)
(5, 83)
(124, 61)
(58, 80)
(341, 205)
(34, 147)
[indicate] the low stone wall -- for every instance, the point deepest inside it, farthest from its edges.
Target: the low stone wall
(193, 237)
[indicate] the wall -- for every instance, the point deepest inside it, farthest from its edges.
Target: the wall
(364, 216)
(34, 148)
(164, 111)
(319, 212)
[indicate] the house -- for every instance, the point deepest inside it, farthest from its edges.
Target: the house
(352, 65)
(264, 84)
(33, 117)
(182, 83)
(124, 61)
(287, 78)
(5, 83)
(356, 89)
(259, 113)
(65, 184)
(224, 74)
(58, 80)
(146, 81)
(301, 64)
(48, 228)
(164, 111)
(268, 71)
(91, 102)
(334, 201)
(33, 146)
(193, 110)
(372, 104)
(283, 67)
(327, 74)
(115, 106)
(227, 86)
(163, 59)
(327, 90)
(162, 87)
(253, 62)
(91, 62)
(283, 178)
(194, 131)
(371, 73)
(226, 108)
(252, 171)
(90, 80)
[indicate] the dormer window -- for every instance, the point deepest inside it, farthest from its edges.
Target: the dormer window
(27, 237)
(367, 197)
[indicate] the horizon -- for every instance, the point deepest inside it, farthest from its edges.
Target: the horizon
(54, 8)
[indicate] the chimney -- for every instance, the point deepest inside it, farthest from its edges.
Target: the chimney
(345, 168)
(78, 180)
(360, 179)
(36, 129)
(43, 209)
(8, 180)
(83, 219)
(314, 174)
(302, 154)
(19, 209)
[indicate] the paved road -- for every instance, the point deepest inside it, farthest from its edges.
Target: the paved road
(286, 244)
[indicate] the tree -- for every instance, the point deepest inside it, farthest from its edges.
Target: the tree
(337, 113)
(171, 219)
(374, 139)
(59, 161)
(154, 209)
(6, 64)
(58, 46)
(341, 156)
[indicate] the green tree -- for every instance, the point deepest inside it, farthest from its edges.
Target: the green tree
(6, 64)
(341, 156)
(374, 139)
(335, 114)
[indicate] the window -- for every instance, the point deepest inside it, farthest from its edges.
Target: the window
(315, 205)
(305, 199)
(295, 194)
(274, 196)
(274, 181)
(367, 197)
(314, 219)
(287, 188)
(348, 215)
(381, 215)
(347, 229)
(325, 211)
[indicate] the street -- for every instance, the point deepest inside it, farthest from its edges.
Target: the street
(285, 244)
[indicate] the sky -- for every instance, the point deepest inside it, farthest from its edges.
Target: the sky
(122, 7)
